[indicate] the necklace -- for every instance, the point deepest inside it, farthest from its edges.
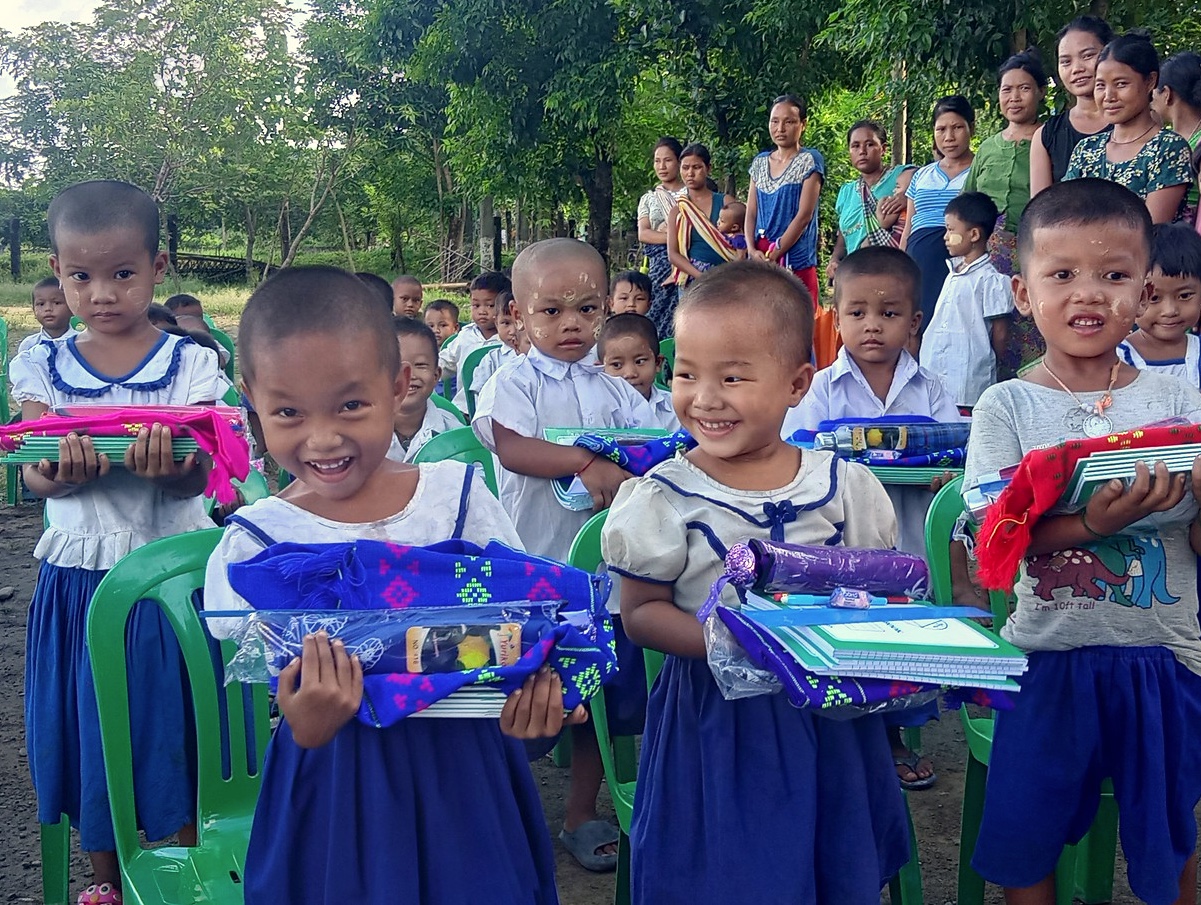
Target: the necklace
(1130, 141)
(1097, 423)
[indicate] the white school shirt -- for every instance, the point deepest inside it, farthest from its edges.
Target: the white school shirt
(531, 393)
(665, 413)
(435, 421)
(106, 519)
(42, 336)
(1187, 369)
(428, 518)
(470, 339)
(841, 391)
(489, 365)
(460, 398)
(957, 346)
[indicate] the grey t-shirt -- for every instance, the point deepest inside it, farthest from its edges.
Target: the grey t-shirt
(1132, 590)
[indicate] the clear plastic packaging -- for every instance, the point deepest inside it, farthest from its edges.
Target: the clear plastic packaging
(780, 567)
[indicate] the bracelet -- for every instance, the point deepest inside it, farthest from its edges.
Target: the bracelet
(586, 467)
(1088, 528)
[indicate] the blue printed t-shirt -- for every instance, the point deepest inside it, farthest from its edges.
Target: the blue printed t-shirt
(779, 197)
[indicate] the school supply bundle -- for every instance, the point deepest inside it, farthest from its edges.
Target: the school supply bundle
(217, 430)
(444, 630)
(899, 449)
(1039, 483)
(635, 449)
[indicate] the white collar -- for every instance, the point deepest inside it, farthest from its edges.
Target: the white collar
(953, 264)
(557, 369)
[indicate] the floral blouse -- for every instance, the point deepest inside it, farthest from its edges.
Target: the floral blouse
(1164, 161)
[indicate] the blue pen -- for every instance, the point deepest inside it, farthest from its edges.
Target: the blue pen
(817, 600)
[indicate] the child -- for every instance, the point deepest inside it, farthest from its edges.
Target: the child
(1112, 688)
(876, 313)
(51, 311)
(971, 318)
(479, 332)
(418, 420)
(442, 316)
(513, 342)
(1164, 340)
(730, 223)
(559, 290)
(630, 293)
(407, 294)
(380, 287)
(160, 316)
(629, 349)
(184, 304)
(784, 805)
(433, 810)
(104, 244)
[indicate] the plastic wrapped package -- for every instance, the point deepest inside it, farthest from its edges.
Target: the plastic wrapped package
(773, 567)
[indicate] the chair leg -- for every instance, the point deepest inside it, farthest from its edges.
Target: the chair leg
(1095, 855)
(906, 887)
(1065, 877)
(12, 487)
(621, 890)
(561, 754)
(56, 841)
(971, 884)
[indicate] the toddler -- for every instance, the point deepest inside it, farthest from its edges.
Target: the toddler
(629, 349)
(417, 419)
(442, 316)
(481, 330)
(184, 304)
(1164, 339)
(425, 810)
(630, 293)
(513, 342)
(51, 311)
(407, 294)
(730, 225)
(751, 800)
(1113, 687)
(970, 325)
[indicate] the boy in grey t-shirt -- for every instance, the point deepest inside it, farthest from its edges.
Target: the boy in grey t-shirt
(1107, 598)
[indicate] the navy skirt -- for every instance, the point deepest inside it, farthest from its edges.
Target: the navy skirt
(62, 727)
(428, 812)
(756, 801)
(663, 298)
(929, 252)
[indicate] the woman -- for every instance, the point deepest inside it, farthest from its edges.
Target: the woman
(871, 209)
(1080, 43)
(653, 209)
(1153, 162)
(697, 252)
(1001, 170)
(931, 189)
(1177, 100)
(781, 205)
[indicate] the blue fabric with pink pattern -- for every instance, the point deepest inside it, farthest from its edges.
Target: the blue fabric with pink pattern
(325, 581)
(637, 458)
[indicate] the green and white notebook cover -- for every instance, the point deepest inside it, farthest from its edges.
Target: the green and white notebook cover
(570, 491)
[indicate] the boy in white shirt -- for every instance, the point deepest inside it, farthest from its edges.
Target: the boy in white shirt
(559, 289)
(513, 343)
(418, 420)
(970, 326)
(50, 309)
(481, 330)
(629, 348)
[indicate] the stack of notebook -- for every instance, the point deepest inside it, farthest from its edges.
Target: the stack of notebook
(1094, 470)
(34, 449)
(865, 643)
(902, 475)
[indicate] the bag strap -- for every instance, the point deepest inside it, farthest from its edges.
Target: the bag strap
(464, 497)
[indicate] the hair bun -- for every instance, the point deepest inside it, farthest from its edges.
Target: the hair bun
(1138, 34)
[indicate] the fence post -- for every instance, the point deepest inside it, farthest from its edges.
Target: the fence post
(487, 225)
(496, 243)
(173, 239)
(14, 247)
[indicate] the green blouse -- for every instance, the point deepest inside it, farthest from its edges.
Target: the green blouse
(1001, 170)
(1164, 161)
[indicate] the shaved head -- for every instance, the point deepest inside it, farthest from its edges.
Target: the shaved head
(535, 260)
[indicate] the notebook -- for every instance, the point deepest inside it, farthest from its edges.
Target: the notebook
(570, 491)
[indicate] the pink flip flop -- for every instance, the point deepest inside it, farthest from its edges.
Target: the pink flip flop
(100, 894)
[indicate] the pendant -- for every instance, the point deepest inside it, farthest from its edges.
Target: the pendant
(1097, 425)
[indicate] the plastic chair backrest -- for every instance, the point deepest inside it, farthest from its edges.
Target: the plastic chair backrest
(667, 348)
(232, 397)
(5, 411)
(447, 386)
(467, 371)
(169, 572)
(460, 445)
(944, 511)
(224, 340)
(446, 405)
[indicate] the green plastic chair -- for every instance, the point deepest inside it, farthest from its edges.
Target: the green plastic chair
(447, 406)
(467, 371)
(447, 386)
(12, 477)
(460, 445)
(224, 340)
(168, 572)
(1084, 871)
(253, 489)
(667, 348)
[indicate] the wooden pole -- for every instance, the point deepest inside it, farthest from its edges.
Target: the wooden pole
(14, 248)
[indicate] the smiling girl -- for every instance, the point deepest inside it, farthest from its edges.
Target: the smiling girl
(1153, 162)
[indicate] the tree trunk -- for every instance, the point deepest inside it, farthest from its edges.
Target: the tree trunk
(345, 236)
(598, 186)
(285, 231)
(249, 220)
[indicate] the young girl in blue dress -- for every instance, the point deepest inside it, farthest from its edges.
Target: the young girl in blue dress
(435, 811)
(749, 800)
(104, 242)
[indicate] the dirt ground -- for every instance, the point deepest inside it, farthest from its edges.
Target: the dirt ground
(935, 811)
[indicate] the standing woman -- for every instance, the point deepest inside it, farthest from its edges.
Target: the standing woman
(1001, 170)
(871, 209)
(1177, 100)
(1080, 44)
(1154, 163)
(695, 255)
(653, 210)
(932, 188)
(781, 204)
